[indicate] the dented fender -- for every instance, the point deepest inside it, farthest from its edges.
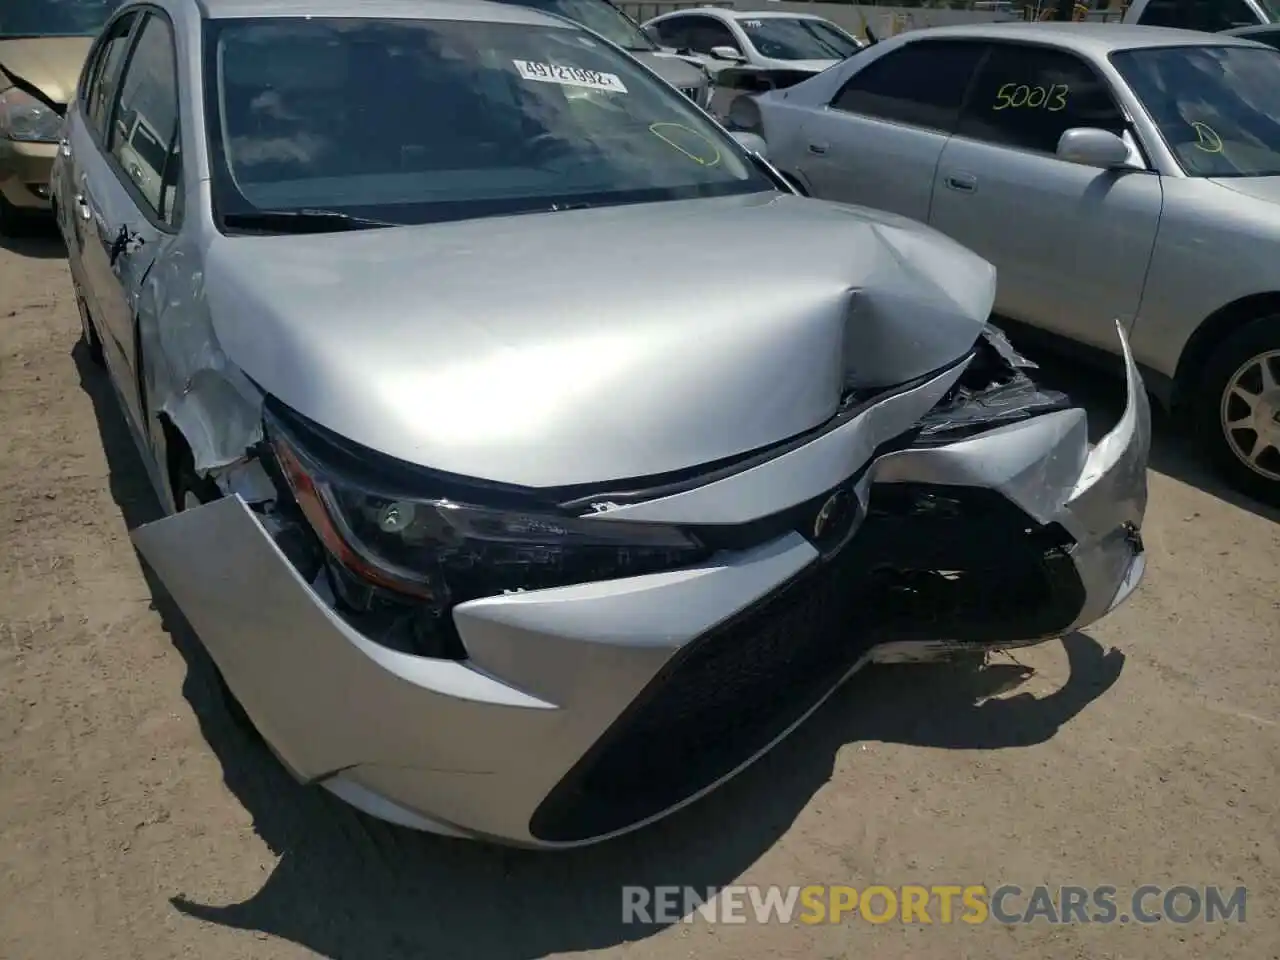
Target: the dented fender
(188, 377)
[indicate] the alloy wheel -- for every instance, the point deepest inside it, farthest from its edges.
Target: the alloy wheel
(1249, 414)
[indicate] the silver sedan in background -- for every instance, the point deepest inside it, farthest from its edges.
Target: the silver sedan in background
(535, 461)
(763, 39)
(1107, 171)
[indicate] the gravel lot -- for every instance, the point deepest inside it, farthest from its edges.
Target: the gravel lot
(136, 821)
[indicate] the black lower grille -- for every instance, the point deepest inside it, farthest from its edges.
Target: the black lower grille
(928, 563)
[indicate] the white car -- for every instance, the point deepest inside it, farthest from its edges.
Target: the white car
(769, 40)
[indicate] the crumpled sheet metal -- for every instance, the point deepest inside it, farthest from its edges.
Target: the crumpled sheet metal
(215, 407)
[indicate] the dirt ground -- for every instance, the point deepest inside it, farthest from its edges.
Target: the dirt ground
(136, 821)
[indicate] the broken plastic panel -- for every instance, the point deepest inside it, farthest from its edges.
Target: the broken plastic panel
(994, 390)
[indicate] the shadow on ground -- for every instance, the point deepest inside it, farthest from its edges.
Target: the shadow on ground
(37, 238)
(347, 886)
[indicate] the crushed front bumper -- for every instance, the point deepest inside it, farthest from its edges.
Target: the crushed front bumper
(585, 711)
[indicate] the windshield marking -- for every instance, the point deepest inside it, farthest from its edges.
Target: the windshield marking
(1207, 138)
(680, 127)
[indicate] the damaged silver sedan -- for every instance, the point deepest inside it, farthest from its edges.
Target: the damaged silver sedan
(533, 459)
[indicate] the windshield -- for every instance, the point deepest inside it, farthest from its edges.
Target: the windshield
(410, 121)
(796, 38)
(598, 15)
(1218, 108)
(53, 18)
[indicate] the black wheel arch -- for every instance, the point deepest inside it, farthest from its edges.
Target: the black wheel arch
(1215, 330)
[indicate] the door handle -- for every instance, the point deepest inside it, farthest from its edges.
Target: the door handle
(64, 146)
(82, 205)
(964, 182)
(818, 148)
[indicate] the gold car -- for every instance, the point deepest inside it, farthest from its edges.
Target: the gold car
(43, 44)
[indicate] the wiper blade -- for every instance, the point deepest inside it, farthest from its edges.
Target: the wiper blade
(302, 221)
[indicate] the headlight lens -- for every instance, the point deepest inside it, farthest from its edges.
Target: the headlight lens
(447, 552)
(24, 118)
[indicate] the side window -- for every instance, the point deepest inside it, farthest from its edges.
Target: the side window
(1271, 38)
(921, 85)
(144, 128)
(712, 33)
(1207, 15)
(1218, 15)
(674, 32)
(1160, 13)
(101, 78)
(1027, 97)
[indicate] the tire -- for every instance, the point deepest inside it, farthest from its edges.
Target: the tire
(1232, 389)
(189, 492)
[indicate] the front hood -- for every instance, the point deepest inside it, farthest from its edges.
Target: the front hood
(50, 65)
(585, 346)
(807, 66)
(1258, 188)
(675, 70)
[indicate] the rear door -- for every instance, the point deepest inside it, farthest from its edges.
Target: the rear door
(878, 142)
(130, 191)
(1071, 243)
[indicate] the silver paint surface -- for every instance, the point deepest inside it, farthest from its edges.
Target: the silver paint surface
(542, 349)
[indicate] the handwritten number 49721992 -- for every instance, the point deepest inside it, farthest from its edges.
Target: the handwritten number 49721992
(1016, 95)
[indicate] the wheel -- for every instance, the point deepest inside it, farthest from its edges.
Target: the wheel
(189, 492)
(88, 333)
(1237, 409)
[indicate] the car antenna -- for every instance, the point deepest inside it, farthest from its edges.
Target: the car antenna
(872, 40)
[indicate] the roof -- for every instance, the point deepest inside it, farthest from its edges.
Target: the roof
(728, 13)
(479, 10)
(1090, 39)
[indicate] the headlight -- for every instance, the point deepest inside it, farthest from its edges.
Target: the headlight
(24, 118)
(445, 552)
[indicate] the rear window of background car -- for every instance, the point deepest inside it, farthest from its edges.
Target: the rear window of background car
(1027, 96)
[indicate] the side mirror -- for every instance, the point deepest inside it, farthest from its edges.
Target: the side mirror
(727, 53)
(1092, 147)
(751, 142)
(652, 33)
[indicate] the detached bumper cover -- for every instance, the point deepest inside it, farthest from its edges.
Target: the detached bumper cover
(588, 710)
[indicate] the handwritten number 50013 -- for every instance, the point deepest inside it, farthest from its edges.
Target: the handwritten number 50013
(1016, 95)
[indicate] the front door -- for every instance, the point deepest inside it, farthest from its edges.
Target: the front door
(1070, 243)
(128, 191)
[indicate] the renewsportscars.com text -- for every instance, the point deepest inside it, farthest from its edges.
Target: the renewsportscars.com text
(940, 903)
